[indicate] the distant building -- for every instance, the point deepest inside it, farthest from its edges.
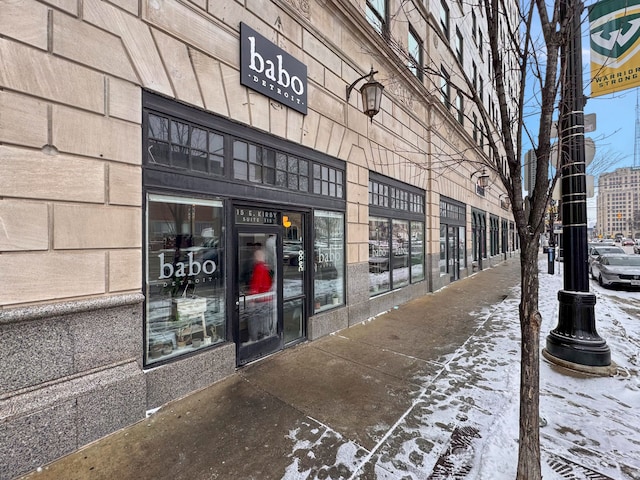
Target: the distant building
(618, 203)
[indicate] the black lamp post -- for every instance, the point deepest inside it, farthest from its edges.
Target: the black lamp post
(575, 339)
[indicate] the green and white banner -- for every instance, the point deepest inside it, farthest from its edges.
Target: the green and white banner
(614, 32)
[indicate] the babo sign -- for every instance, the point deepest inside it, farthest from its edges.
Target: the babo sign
(266, 68)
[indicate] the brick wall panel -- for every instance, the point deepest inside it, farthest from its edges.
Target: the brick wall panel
(96, 226)
(98, 49)
(33, 174)
(50, 276)
(23, 120)
(37, 73)
(96, 136)
(25, 226)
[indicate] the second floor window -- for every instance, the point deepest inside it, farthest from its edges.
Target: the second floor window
(474, 27)
(377, 15)
(445, 88)
(415, 53)
(459, 47)
(460, 107)
(444, 18)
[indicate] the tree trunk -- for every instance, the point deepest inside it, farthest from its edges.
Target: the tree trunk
(530, 320)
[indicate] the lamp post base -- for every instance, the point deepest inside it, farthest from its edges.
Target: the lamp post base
(575, 339)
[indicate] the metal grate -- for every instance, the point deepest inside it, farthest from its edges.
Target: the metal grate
(456, 462)
(573, 471)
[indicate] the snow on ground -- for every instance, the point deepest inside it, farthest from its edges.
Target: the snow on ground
(593, 422)
(464, 422)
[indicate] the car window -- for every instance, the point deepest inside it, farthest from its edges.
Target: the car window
(625, 261)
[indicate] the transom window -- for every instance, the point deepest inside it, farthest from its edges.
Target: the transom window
(185, 146)
(382, 195)
(258, 164)
(194, 149)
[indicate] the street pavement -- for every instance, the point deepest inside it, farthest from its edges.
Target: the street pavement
(387, 399)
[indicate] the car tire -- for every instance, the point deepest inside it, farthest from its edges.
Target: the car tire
(600, 282)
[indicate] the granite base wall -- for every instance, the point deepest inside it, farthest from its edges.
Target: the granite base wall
(72, 373)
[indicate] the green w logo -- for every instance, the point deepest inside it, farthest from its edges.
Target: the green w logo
(614, 38)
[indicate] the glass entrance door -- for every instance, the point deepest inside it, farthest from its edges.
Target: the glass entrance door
(258, 322)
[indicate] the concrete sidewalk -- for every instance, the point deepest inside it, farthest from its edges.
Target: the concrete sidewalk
(319, 410)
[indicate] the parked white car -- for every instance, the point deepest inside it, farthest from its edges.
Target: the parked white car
(616, 269)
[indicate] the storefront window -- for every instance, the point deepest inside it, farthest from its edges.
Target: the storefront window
(443, 250)
(400, 253)
(417, 251)
(184, 276)
(462, 248)
(329, 260)
(379, 262)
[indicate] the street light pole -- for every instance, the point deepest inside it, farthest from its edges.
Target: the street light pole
(575, 339)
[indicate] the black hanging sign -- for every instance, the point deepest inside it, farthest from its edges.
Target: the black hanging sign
(266, 68)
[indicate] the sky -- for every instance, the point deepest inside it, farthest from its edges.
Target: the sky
(467, 413)
(616, 116)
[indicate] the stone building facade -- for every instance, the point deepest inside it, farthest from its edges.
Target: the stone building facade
(141, 171)
(618, 203)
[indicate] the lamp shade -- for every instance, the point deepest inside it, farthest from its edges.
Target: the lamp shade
(371, 97)
(483, 180)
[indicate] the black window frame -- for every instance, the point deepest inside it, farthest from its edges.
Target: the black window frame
(416, 63)
(167, 177)
(381, 24)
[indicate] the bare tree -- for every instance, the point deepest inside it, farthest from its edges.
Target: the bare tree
(531, 44)
(539, 60)
(536, 44)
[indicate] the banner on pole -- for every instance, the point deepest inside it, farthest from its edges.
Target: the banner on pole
(614, 32)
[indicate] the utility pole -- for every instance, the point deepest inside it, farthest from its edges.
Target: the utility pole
(575, 339)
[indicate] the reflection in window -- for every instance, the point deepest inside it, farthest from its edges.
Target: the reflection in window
(184, 276)
(400, 253)
(417, 251)
(396, 253)
(379, 262)
(462, 248)
(329, 260)
(443, 250)
(182, 145)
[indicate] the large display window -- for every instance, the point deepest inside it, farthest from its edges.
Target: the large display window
(396, 234)
(396, 254)
(184, 276)
(329, 260)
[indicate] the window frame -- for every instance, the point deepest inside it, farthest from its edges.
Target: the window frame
(445, 88)
(378, 20)
(459, 46)
(416, 68)
(445, 19)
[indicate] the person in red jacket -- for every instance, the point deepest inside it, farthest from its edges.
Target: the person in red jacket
(261, 277)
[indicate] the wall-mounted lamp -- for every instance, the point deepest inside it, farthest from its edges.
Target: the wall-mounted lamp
(371, 94)
(483, 179)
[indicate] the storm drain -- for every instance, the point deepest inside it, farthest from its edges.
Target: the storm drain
(456, 462)
(572, 470)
